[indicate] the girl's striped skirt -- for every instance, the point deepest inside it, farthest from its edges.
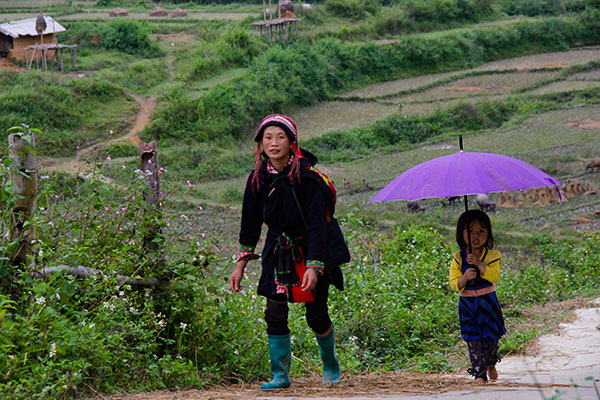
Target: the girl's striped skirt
(481, 318)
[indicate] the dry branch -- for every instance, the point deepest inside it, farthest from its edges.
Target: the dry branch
(85, 272)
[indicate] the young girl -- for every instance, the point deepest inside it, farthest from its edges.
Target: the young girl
(473, 272)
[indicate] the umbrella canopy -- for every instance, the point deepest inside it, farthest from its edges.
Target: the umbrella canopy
(464, 173)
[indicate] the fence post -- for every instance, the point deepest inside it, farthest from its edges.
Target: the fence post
(149, 164)
(21, 149)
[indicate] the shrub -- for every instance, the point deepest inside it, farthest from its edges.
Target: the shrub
(392, 22)
(440, 11)
(95, 87)
(125, 35)
(120, 149)
(235, 48)
(353, 9)
(533, 8)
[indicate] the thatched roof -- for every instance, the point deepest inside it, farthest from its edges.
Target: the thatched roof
(26, 27)
(178, 12)
(118, 12)
(158, 12)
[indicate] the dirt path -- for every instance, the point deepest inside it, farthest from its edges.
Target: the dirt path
(76, 165)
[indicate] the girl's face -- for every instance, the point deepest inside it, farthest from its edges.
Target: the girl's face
(479, 235)
(276, 144)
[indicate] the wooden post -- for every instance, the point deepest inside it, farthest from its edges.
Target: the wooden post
(149, 163)
(21, 149)
(44, 62)
(73, 56)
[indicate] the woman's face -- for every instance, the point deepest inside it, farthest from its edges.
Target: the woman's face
(479, 235)
(276, 144)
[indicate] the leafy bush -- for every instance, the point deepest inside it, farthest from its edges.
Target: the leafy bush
(120, 149)
(397, 129)
(590, 18)
(126, 35)
(235, 48)
(95, 88)
(353, 9)
(440, 11)
(533, 8)
(393, 21)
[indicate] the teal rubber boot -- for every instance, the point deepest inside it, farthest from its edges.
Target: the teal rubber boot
(331, 366)
(281, 357)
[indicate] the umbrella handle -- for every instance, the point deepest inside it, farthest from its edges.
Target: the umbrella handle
(468, 226)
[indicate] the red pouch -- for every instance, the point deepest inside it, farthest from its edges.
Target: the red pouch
(295, 294)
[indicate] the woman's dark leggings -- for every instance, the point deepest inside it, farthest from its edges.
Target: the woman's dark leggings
(317, 316)
(482, 355)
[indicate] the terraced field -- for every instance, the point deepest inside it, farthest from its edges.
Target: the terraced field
(424, 94)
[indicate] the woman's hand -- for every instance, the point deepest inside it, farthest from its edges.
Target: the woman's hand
(236, 276)
(309, 282)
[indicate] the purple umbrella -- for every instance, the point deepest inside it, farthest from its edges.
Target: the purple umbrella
(464, 173)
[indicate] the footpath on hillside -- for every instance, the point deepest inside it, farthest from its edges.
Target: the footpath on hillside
(562, 365)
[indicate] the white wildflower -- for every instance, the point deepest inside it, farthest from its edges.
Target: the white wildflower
(40, 300)
(183, 325)
(52, 350)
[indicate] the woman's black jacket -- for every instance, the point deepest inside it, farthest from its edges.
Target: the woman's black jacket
(275, 205)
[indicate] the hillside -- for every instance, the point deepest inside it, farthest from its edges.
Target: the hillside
(375, 88)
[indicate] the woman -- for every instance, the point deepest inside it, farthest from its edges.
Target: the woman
(294, 201)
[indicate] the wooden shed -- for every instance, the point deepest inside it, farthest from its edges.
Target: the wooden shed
(15, 36)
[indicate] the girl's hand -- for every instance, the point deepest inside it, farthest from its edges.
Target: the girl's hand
(475, 261)
(236, 276)
(309, 282)
(469, 274)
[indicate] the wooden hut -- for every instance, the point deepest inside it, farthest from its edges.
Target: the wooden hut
(15, 36)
